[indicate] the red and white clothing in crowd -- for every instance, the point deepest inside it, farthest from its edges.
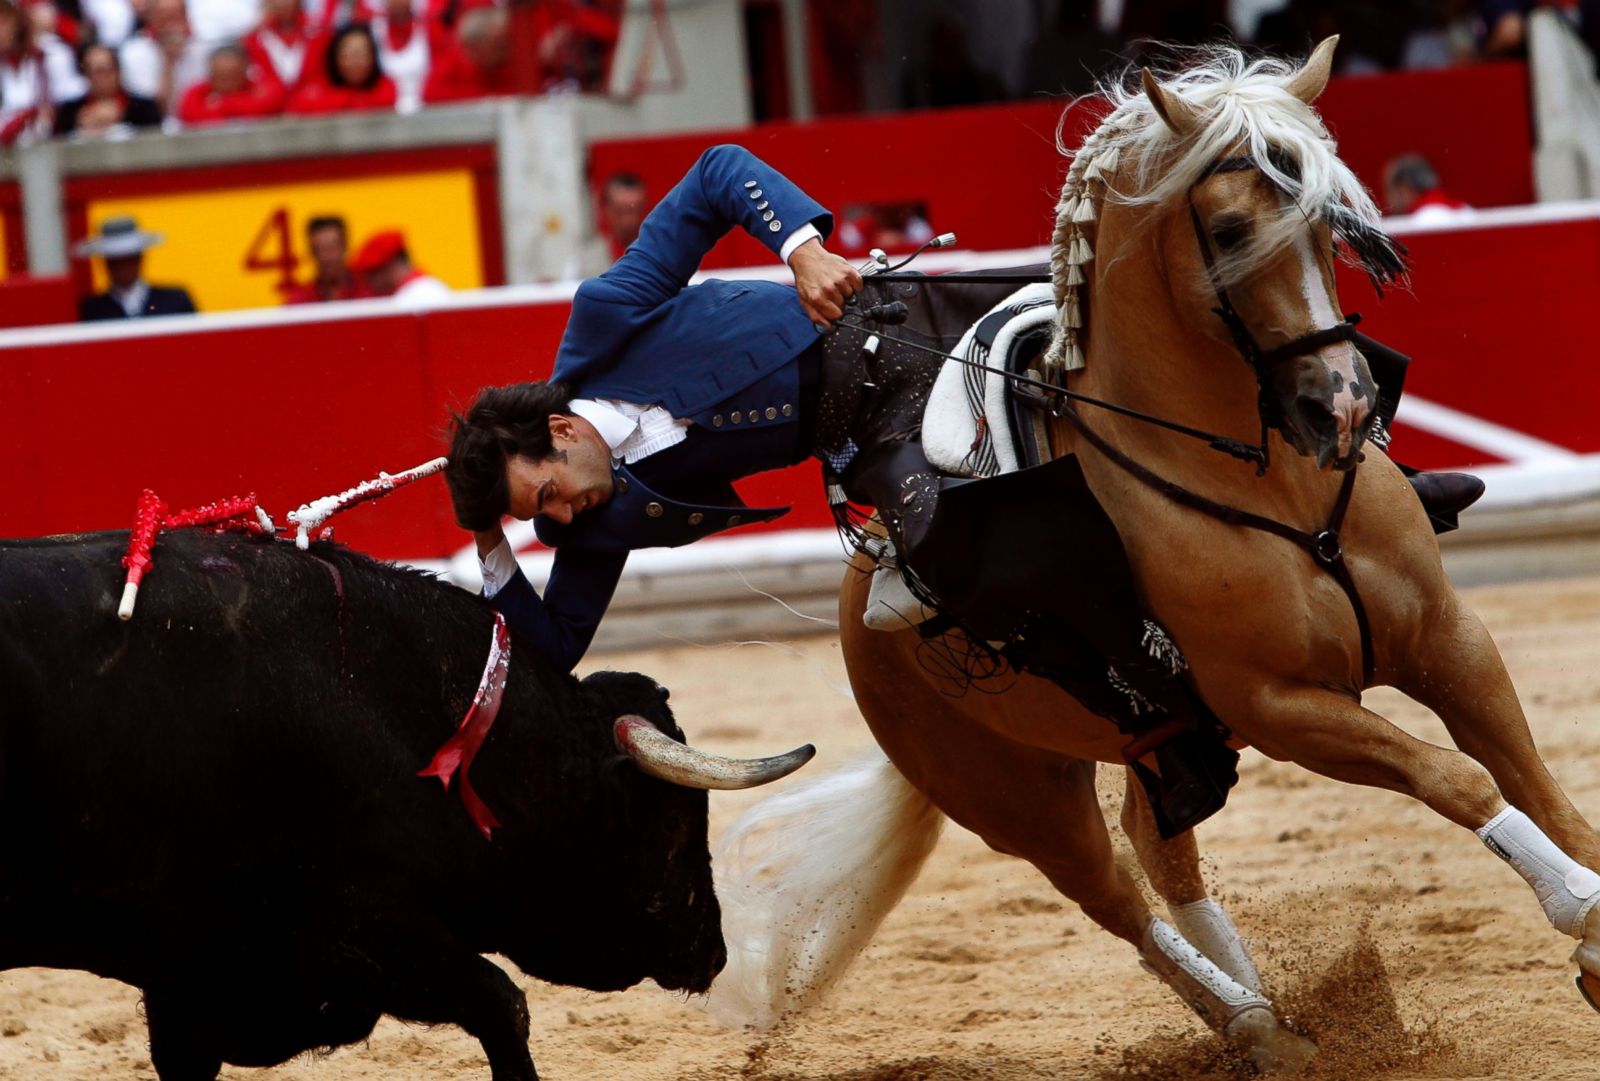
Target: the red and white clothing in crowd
(204, 104)
(25, 112)
(406, 51)
(455, 77)
(217, 21)
(317, 96)
(1437, 206)
(290, 53)
(142, 62)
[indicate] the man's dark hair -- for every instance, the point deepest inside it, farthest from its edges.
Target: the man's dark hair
(501, 422)
(623, 180)
(327, 221)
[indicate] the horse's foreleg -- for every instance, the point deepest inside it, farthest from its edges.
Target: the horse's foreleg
(1458, 674)
(1330, 734)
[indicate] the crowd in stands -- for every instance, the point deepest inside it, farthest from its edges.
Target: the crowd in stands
(88, 68)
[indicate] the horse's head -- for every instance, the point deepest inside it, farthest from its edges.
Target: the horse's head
(1228, 174)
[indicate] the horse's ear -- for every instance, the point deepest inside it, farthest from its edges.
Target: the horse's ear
(1312, 79)
(1177, 113)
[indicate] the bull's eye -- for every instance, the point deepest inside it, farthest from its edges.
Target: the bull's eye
(1229, 233)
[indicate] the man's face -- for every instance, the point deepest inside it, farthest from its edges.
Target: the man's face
(559, 489)
(328, 251)
(123, 270)
(624, 207)
(384, 280)
(227, 71)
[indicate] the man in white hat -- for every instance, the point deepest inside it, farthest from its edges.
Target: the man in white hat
(122, 244)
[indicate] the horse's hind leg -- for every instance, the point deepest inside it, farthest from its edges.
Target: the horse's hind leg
(1173, 868)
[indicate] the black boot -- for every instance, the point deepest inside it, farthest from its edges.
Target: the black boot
(1445, 495)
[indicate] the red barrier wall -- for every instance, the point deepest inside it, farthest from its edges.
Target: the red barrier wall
(991, 173)
(295, 410)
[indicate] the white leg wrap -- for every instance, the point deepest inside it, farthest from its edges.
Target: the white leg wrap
(1217, 997)
(1566, 889)
(1205, 924)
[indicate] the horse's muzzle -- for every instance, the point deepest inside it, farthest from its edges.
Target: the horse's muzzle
(1328, 404)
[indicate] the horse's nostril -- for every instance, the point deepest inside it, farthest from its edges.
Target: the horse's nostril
(1315, 417)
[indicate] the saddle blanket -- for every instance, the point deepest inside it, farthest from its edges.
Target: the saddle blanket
(966, 427)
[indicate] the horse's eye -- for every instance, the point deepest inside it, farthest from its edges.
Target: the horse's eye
(1229, 234)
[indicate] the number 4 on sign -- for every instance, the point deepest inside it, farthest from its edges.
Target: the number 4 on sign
(274, 236)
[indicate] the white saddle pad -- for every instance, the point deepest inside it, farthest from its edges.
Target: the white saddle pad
(966, 428)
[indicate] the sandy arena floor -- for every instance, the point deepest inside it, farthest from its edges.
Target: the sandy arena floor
(1397, 940)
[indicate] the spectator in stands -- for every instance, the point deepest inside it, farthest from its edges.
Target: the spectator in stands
(284, 44)
(107, 108)
(163, 60)
(233, 92)
(574, 42)
(385, 267)
(1411, 186)
(475, 65)
(353, 81)
(407, 43)
(329, 243)
(56, 34)
(122, 245)
(26, 112)
(623, 204)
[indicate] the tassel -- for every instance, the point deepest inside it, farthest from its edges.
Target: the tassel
(1093, 171)
(1074, 275)
(1081, 252)
(1084, 211)
(1072, 357)
(1068, 210)
(1108, 161)
(1071, 312)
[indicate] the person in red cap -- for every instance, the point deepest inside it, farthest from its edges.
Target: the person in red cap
(385, 266)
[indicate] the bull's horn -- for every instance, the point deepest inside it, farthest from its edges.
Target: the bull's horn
(659, 755)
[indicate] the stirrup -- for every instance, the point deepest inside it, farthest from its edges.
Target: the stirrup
(891, 606)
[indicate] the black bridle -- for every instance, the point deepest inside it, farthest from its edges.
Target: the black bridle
(1384, 261)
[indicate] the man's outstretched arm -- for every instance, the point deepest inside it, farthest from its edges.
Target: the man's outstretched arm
(561, 624)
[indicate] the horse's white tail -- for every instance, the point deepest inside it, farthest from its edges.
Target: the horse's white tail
(806, 877)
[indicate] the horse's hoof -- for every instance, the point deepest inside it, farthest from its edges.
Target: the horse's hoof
(1270, 1047)
(1589, 988)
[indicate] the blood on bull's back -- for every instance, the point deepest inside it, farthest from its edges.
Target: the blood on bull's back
(218, 801)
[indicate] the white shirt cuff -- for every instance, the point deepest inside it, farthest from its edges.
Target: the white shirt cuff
(498, 568)
(798, 237)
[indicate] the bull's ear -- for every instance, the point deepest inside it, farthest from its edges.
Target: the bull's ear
(1173, 110)
(1310, 81)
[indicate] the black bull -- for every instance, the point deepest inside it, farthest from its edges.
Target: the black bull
(218, 803)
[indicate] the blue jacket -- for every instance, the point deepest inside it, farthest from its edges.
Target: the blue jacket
(709, 352)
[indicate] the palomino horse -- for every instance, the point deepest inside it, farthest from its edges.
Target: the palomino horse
(1215, 192)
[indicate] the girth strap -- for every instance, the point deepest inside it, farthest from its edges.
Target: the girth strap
(1324, 546)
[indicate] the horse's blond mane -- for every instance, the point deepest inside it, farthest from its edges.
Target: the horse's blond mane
(1134, 158)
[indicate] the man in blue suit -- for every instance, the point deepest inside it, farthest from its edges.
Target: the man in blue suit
(662, 395)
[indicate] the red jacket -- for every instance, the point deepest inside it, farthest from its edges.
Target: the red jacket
(203, 105)
(317, 97)
(454, 77)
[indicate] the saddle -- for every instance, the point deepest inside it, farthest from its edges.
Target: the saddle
(1059, 601)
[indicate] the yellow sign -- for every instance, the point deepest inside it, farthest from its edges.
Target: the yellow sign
(232, 248)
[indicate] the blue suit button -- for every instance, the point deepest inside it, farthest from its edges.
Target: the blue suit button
(622, 484)
(654, 510)
(756, 194)
(775, 226)
(736, 417)
(768, 216)
(749, 183)
(716, 421)
(788, 410)
(772, 413)
(754, 416)
(762, 205)
(696, 518)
